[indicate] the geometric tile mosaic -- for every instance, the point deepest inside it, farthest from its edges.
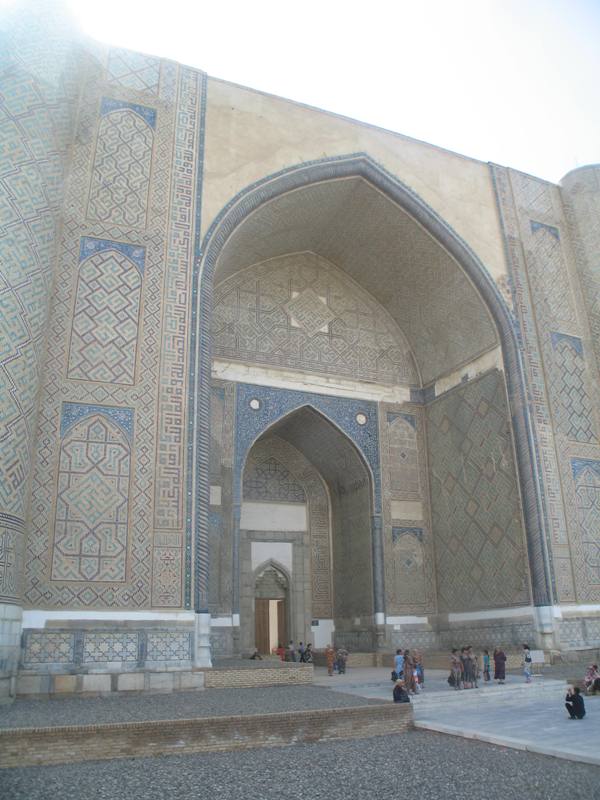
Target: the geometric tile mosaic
(403, 469)
(573, 405)
(121, 172)
(133, 70)
(134, 169)
(169, 646)
(105, 318)
(270, 481)
(407, 570)
(49, 648)
(586, 473)
(92, 503)
(110, 646)
(301, 312)
(12, 535)
(408, 548)
(481, 560)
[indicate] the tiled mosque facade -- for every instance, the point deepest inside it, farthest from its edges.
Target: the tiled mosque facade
(250, 347)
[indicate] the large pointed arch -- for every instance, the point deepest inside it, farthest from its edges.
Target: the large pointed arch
(303, 175)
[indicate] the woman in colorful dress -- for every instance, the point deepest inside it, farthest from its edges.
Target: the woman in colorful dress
(329, 658)
(409, 673)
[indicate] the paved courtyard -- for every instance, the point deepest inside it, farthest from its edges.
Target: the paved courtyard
(530, 717)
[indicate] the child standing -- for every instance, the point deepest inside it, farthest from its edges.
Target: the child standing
(486, 666)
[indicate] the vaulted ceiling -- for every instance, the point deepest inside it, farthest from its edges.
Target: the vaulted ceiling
(352, 224)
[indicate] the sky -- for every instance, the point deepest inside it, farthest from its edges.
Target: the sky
(509, 81)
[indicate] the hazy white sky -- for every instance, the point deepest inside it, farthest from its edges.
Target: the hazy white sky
(510, 81)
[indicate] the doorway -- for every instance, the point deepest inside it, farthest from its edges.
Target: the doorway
(270, 610)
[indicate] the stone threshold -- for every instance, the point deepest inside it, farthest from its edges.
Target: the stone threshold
(75, 743)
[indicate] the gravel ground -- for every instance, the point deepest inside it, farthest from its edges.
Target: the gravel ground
(177, 705)
(423, 765)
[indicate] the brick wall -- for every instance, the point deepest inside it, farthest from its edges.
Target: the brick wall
(36, 746)
(265, 676)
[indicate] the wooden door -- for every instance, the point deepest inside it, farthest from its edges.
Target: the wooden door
(261, 624)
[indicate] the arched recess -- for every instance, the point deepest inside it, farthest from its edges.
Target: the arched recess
(456, 252)
(355, 554)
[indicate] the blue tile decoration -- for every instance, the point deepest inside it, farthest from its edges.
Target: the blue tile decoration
(277, 403)
(578, 465)
(573, 341)
(410, 418)
(541, 226)
(74, 412)
(399, 532)
(90, 246)
(109, 104)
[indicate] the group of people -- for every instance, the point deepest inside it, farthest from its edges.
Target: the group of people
(336, 660)
(303, 654)
(465, 667)
(408, 675)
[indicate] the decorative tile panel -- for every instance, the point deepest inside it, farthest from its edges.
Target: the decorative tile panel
(270, 481)
(48, 648)
(92, 505)
(120, 180)
(573, 406)
(403, 464)
(481, 560)
(12, 536)
(408, 566)
(586, 473)
(167, 646)
(106, 314)
(302, 312)
(109, 646)
(172, 562)
(309, 312)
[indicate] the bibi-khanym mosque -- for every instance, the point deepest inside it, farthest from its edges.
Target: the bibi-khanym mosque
(269, 373)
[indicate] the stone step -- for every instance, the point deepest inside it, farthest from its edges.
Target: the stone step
(491, 694)
(38, 746)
